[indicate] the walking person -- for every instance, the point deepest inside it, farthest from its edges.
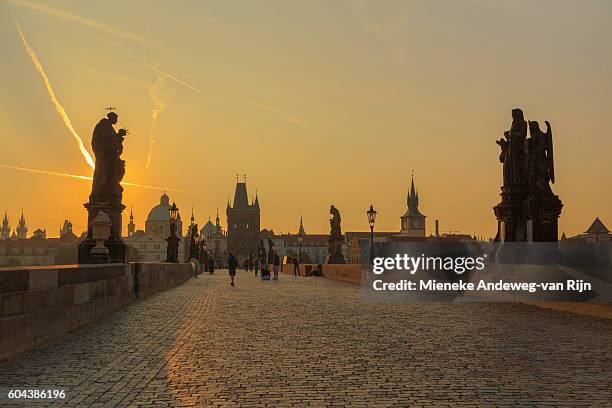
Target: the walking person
(276, 263)
(256, 265)
(211, 265)
(232, 263)
(296, 266)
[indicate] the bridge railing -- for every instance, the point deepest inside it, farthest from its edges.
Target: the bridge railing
(340, 272)
(38, 304)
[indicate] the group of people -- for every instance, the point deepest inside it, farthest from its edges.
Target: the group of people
(259, 266)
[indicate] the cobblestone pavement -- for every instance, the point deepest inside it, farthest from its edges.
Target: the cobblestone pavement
(310, 341)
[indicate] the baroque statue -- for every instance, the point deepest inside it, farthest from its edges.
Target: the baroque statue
(512, 151)
(106, 191)
(335, 240)
(107, 145)
(540, 165)
(529, 210)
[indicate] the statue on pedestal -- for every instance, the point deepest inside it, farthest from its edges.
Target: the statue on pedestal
(529, 210)
(106, 192)
(335, 240)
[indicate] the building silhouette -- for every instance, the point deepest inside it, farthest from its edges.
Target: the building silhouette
(151, 243)
(242, 223)
(5, 230)
(22, 228)
(216, 241)
(131, 227)
(412, 222)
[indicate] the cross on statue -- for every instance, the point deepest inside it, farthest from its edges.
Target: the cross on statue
(111, 108)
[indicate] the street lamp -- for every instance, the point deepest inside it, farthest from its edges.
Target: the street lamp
(173, 240)
(371, 220)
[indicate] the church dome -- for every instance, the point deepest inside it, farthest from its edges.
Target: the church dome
(160, 211)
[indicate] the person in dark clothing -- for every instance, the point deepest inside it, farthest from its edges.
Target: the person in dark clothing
(211, 265)
(256, 265)
(232, 264)
(296, 267)
(276, 263)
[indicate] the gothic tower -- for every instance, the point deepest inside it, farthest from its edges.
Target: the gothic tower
(22, 229)
(242, 223)
(5, 231)
(413, 222)
(131, 226)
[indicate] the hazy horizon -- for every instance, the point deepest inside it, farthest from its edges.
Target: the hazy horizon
(318, 103)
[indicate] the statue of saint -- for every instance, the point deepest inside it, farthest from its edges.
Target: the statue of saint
(335, 237)
(107, 145)
(540, 165)
(513, 151)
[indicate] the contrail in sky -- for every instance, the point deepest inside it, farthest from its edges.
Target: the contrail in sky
(66, 15)
(167, 74)
(291, 119)
(259, 104)
(158, 107)
(146, 64)
(58, 107)
(88, 178)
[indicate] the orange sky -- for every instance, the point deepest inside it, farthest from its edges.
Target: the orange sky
(317, 102)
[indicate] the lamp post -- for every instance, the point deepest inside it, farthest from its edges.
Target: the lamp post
(173, 240)
(371, 220)
(300, 239)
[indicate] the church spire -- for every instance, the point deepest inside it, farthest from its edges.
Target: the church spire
(413, 196)
(131, 226)
(301, 229)
(5, 230)
(22, 229)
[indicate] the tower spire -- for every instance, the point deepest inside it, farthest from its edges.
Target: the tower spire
(301, 229)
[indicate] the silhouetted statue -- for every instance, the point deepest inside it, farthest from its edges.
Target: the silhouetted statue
(106, 190)
(540, 168)
(335, 240)
(513, 151)
(529, 210)
(107, 145)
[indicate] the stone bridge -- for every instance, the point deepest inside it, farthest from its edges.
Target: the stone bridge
(293, 342)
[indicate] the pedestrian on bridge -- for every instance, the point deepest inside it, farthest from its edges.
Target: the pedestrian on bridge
(276, 264)
(256, 265)
(232, 264)
(296, 266)
(211, 265)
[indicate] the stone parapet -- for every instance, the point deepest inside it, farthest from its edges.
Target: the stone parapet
(39, 304)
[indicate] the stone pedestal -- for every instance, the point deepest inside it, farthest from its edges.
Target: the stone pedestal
(542, 214)
(116, 248)
(511, 222)
(527, 218)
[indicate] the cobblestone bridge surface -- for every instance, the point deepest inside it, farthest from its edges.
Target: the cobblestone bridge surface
(310, 341)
